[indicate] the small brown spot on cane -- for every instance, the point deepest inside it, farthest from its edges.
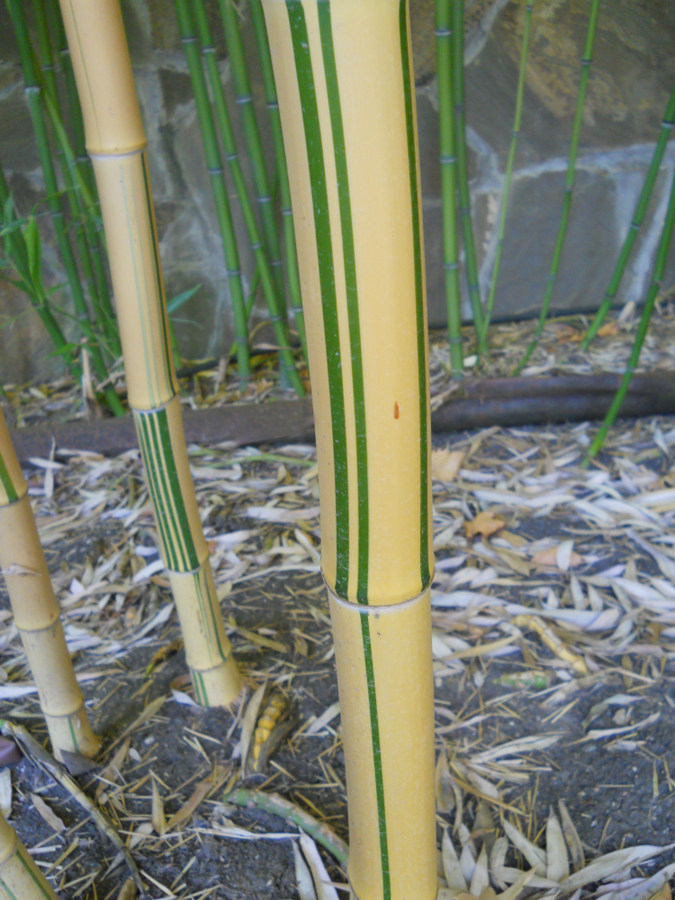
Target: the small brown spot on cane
(396, 412)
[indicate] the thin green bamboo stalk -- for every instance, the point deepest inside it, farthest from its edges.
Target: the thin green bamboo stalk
(85, 235)
(657, 275)
(586, 61)
(33, 93)
(17, 254)
(270, 287)
(448, 160)
(638, 217)
(292, 273)
(242, 89)
(218, 186)
(59, 35)
(524, 50)
(462, 163)
(79, 161)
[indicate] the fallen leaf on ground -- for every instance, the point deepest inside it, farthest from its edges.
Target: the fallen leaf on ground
(445, 464)
(557, 558)
(485, 524)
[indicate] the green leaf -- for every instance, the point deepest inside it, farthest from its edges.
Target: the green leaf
(33, 246)
(176, 302)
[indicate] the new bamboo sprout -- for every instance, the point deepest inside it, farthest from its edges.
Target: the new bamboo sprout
(638, 217)
(586, 61)
(20, 878)
(448, 159)
(117, 144)
(36, 611)
(346, 94)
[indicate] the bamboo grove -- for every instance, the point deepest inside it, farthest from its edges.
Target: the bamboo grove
(343, 125)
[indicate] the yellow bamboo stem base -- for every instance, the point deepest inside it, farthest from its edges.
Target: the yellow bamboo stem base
(37, 616)
(214, 673)
(20, 878)
(387, 721)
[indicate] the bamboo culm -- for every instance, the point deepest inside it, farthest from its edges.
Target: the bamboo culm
(219, 188)
(638, 217)
(448, 160)
(463, 192)
(524, 50)
(36, 611)
(292, 274)
(270, 287)
(346, 96)
(586, 62)
(117, 144)
(657, 275)
(20, 878)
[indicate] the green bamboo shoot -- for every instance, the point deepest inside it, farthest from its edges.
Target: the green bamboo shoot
(346, 93)
(117, 144)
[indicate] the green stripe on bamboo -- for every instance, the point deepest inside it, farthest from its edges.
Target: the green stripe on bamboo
(464, 195)
(20, 878)
(517, 116)
(636, 222)
(349, 257)
(586, 62)
(448, 161)
(657, 276)
(322, 224)
(420, 303)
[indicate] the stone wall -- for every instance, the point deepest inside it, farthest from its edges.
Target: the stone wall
(631, 77)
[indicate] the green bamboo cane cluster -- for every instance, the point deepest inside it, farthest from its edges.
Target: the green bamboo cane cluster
(291, 259)
(569, 186)
(93, 315)
(198, 41)
(657, 275)
(448, 160)
(520, 90)
(638, 217)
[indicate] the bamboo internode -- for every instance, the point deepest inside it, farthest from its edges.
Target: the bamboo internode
(117, 144)
(347, 107)
(36, 611)
(20, 878)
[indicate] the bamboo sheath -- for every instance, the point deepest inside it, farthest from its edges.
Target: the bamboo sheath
(36, 611)
(20, 878)
(117, 145)
(346, 101)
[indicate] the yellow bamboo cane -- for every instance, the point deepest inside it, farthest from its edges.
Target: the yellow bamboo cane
(117, 145)
(36, 611)
(20, 878)
(346, 97)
